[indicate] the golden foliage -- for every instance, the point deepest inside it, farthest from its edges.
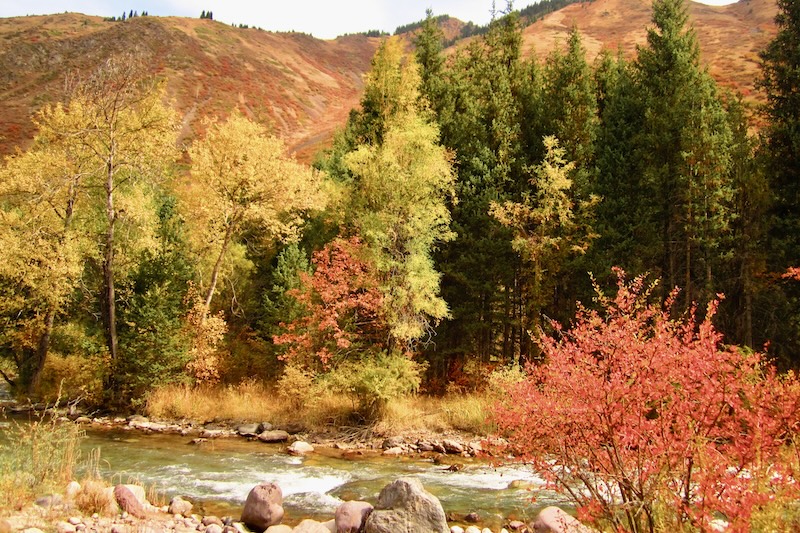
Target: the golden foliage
(206, 332)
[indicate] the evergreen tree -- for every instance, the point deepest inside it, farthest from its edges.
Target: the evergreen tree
(683, 149)
(430, 57)
(780, 79)
(152, 343)
(570, 97)
(481, 121)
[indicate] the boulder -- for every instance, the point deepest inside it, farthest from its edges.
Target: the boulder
(294, 427)
(128, 501)
(555, 520)
(424, 446)
(73, 488)
(213, 528)
(178, 505)
(397, 450)
(351, 516)
(472, 529)
(456, 529)
(393, 442)
(475, 447)
(299, 448)
(138, 491)
(65, 527)
(472, 518)
(209, 520)
(405, 506)
(279, 529)
(275, 435)
(522, 484)
(249, 430)
(263, 507)
(310, 526)
(452, 446)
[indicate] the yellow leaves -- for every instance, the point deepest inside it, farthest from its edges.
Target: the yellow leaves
(206, 333)
(242, 175)
(392, 84)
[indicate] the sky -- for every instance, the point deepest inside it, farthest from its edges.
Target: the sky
(324, 19)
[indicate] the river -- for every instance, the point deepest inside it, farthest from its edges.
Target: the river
(218, 475)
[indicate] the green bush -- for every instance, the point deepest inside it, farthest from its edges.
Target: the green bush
(376, 380)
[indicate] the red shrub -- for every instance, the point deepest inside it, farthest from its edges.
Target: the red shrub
(650, 422)
(343, 305)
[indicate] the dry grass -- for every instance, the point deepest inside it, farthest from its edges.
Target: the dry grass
(469, 412)
(247, 402)
(37, 457)
(251, 402)
(94, 497)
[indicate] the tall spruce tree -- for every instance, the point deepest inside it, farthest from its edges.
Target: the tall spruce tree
(780, 79)
(683, 148)
(482, 123)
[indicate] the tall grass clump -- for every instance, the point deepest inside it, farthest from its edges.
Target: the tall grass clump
(37, 457)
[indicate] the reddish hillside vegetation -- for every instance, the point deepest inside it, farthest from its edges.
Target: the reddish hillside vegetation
(300, 86)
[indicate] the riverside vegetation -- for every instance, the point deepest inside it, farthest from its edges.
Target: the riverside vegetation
(434, 249)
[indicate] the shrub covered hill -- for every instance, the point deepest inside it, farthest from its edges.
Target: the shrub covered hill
(303, 87)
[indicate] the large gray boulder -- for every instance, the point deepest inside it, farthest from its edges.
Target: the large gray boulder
(263, 507)
(351, 517)
(404, 506)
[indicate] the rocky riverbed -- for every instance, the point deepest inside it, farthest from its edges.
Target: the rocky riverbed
(403, 505)
(59, 512)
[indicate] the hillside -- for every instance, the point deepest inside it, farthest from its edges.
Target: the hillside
(301, 86)
(730, 36)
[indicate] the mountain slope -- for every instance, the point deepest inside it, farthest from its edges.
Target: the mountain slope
(730, 36)
(303, 87)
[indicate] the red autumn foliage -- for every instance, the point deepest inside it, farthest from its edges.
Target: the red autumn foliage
(648, 422)
(792, 273)
(343, 305)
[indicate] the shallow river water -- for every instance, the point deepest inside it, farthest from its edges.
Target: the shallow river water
(218, 475)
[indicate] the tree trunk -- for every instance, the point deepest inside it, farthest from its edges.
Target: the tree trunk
(217, 265)
(42, 348)
(109, 297)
